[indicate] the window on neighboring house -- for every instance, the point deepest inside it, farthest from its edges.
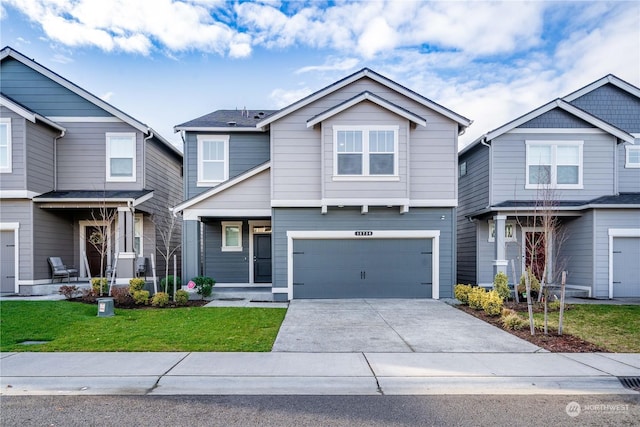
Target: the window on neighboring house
(138, 234)
(557, 164)
(5, 145)
(213, 159)
(370, 151)
(462, 169)
(231, 236)
(121, 157)
(509, 231)
(632, 155)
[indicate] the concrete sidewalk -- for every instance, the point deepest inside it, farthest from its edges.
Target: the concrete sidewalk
(315, 373)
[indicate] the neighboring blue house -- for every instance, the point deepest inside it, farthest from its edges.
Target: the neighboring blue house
(65, 154)
(349, 192)
(585, 147)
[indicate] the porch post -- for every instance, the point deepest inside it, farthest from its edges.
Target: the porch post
(499, 263)
(126, 254)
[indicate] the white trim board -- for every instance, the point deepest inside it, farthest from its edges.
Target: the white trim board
(377, 234)
(15, 227)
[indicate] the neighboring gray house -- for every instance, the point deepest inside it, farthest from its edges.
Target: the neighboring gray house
(65, 153)
(585, 147)
(349, 192)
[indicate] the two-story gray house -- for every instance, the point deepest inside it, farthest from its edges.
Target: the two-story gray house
(578, 158)
(348, 192)
(65, 156)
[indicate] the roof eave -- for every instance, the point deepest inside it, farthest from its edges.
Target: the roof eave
(216, 129)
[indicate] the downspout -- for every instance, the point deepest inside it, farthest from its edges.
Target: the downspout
(144, 157)
(483, 141)
(55, 159)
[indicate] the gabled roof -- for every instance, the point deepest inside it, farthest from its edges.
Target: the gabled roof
(12, 53)
(367, 96)
(226, 121)
(32, 116)
(366, 72)
(609, 78)
(221, 187)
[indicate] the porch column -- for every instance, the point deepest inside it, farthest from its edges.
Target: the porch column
(499, 263)
(126, 254)
(190, 250)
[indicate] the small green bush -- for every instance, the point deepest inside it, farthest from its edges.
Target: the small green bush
(100, 286)
(161, 299)
(535, 284)
(141, 297)
(514, 322)
(204, 285)
(492, 303)
(166, 283)
(136, 284)
(182, 297)
(501, 285)
(461, 292)
(475, 297)
(555, 305)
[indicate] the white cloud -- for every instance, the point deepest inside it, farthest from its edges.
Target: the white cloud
(107, 96)
(283, 97)
(332, 64)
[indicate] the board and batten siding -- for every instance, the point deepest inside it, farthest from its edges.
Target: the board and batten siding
(297, 153)
(82, 157)
(246, 151)
(337, 219)
(41, 94)
(473, 195)
(225, 267)
(16, 179)
(509, 166)
(40, 157)
(628, 178)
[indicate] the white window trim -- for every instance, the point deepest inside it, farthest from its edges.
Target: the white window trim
(201, 139)
(628, 149)
(139, 217)
(507, 238)
(553, 179)
(365, 153)
(226, 248)
(9, 167)
(110, 178)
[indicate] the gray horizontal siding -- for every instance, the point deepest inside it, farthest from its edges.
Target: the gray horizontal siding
(16, 180)
(40, 162)
(225, 267)
(628, 178)
(577, 250)
(13, 210)
(42, 94)
(52, 236)
(252, 193)
(612, 105)
(286, 219)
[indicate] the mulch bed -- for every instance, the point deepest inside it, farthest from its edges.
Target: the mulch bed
(553, 342)
(128, 303)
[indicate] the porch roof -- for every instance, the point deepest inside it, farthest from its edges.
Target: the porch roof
(92, 198)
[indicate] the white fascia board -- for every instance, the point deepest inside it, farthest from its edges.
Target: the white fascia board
(367, 96)
(216, 129)
(350, 234)
(142, 199)
(311, 203)
(221, 187)
(195, 214)
(433, 203)
(18, 194)
(601, 82)
(29, 115)
(415, 203)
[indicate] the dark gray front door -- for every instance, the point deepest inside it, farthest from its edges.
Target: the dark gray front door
(262, 258)
(365, 268)
(7, 261)
(626, 268)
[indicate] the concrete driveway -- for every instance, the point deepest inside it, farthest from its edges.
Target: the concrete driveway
(390, 326)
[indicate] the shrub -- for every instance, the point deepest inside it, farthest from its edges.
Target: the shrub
(121, 295)
(136, 284)
(492, 303)
(555, 305)
(182, 297)
(100, 285)
(501, 285)
(141, 297)
(89, 295)
(461, 292)
(69, 291)
(514, 322)
(533, 280)
(166, 283)
(204, 285)
(160, 299)
(475, 297)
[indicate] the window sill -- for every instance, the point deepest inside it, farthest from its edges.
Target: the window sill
(366, 178)
(208, 183)
(231, 249)
(554, 187)
(127, 179)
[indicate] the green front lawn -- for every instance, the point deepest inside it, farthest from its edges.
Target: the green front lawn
(72, 326)
(613, 327)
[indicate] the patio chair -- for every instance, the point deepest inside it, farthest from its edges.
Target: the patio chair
(141, 266)
(60, 271)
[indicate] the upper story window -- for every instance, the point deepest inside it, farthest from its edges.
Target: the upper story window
(632, 155)
(365, 151)
(121, 157)
(213, 159)
(5, 145)
(556, 164)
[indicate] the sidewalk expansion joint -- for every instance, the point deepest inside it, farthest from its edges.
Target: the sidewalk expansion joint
(391, 327)
(155, 385)
(379, 389)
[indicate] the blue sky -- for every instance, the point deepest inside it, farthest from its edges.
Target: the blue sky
(166, 62)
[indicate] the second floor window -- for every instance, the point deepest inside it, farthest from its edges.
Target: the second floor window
(632, 154)
(5, 145)
(556, 164)
(121, 157)
(365, 151)
(213, 159)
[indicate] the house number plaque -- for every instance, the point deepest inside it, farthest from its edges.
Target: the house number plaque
(364, 233)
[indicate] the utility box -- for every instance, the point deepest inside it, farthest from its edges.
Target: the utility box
(105, 307)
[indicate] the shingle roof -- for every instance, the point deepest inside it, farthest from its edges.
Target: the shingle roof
(620, 199)
(227, 118)
(92, 195)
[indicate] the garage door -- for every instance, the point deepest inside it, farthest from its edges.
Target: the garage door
(364, 268)
(626, 268)
(7, 261)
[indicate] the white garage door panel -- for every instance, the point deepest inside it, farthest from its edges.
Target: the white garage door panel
(626, 267)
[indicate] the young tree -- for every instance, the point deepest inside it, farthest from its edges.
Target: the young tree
(101, 221)
(167, 227)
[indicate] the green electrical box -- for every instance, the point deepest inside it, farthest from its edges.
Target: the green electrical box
(105, 307)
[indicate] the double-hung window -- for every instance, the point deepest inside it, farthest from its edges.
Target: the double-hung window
(5, 145)
(213, 159)
(556, 164)
(121, 157)
(632, 155)
(365, 151)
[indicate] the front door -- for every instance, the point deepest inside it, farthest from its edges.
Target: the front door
(262, 258)
(93, 253)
